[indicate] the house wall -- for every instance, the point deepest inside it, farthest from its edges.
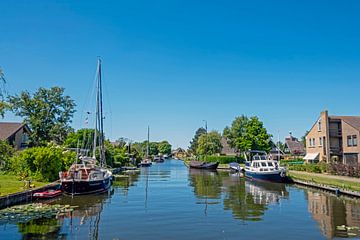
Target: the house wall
(18, 138)
(316, 133)
(348, 130)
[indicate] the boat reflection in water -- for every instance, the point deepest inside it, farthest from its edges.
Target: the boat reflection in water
(247, 200)
(266, 192)
(336, 216)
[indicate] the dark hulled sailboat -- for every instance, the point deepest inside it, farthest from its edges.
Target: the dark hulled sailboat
(86, 176)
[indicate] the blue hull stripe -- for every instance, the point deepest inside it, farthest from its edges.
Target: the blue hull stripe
(265, 177)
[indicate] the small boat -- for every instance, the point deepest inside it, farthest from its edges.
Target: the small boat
(203, 165)
(146, 162)
(51, 193)
(158, 158)
(236, 166)
(263, 168)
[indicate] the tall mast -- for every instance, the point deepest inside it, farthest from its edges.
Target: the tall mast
(101, 119)
(148, 143)
(96, 108)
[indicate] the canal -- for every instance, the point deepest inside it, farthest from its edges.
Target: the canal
(169, 201)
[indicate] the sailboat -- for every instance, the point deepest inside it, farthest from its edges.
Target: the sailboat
(86, 175)
(146, 162)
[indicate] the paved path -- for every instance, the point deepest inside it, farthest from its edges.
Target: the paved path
(342, 178)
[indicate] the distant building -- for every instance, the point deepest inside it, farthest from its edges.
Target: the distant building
(179, 153)
(294, 147)
(275, 152)
(226, 149)
(334, 138)
(17, 134)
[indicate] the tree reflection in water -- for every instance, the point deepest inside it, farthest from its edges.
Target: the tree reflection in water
(41, 228)
(247, 200)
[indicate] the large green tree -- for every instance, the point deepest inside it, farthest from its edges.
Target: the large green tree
(48, 112)
(164, 147)
(248, 134)
(194, 141)
(209, 144)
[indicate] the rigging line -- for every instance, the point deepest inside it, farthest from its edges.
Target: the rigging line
(107, 97)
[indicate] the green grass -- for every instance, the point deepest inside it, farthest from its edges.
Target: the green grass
(339, 183)
(11, 184)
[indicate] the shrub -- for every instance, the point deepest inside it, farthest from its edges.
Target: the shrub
(42, 163)
(344, 170)
(313, 168)
(222, 159)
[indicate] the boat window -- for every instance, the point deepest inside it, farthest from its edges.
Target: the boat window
(263, 157)
(261, 169)
(263, 164)
(270, 164)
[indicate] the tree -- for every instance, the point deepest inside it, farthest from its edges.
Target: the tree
(6, 152)
(209, 144)
(164, 147)
(82, 138)
(247, 134)
(236, 130)
(48, 113)
(194, 141)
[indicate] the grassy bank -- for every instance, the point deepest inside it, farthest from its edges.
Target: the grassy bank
(11, 184)
(347, 183)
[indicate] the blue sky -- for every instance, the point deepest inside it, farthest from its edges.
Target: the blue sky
(172, 64)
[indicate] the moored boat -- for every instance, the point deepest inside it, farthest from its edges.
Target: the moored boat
(263, 168)
(203, 165)
(146, 162)
(51, 193)
(235, 166)
(85, 176)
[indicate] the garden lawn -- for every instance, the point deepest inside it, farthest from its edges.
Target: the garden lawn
(348, 183)
(11, 184)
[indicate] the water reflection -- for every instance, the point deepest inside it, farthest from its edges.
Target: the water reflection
(331, 212)
(247, 200)
(41, 228)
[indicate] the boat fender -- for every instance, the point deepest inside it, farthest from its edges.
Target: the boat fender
(282, 174)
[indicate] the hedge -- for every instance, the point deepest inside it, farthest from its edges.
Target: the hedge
(222, 159)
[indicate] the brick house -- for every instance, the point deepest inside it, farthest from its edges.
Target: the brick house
(17, 134)
(334, 138)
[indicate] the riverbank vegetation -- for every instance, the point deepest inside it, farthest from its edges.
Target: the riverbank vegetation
(10, 183)
(328, 180)
(53, 145)
(243, 134)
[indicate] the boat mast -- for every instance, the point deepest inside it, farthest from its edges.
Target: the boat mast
(99, 124)
(147, 146)
(101, 119)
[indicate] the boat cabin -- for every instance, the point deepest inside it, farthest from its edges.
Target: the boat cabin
(261, 163)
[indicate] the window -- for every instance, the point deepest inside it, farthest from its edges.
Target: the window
(352, 141)
(320, 141)
(319, 125)
(263, 164)
(310, 142)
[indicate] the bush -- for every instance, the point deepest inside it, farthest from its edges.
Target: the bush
(344, 170)
(223, 159)
(42, 163)
(313, 168)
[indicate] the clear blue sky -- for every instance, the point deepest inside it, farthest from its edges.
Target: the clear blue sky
(171, 64)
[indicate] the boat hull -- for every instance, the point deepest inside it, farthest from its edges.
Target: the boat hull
(78, 187)
(209, 166)
(271, 177)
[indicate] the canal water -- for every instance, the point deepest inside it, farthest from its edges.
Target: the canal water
(170, 201)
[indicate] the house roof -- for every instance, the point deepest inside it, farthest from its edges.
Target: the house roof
(354, 121)
(226, 149)
(294, 145)
(7, 129)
